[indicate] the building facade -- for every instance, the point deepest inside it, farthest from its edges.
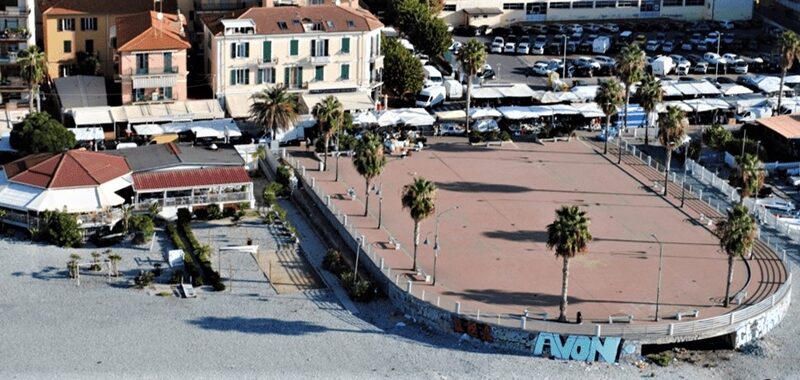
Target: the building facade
(75, 27)
(507, 12)
(18, 32)
(311, 50)
(151, 50)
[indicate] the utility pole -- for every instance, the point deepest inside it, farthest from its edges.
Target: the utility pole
(683, 182)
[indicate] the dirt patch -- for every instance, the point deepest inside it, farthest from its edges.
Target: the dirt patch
(288, 271)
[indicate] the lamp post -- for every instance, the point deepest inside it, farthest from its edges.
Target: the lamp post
(660, 260)
(564, 69)
(719, 38)
(337, 156)
(685, 161)
(358, 253)
(436, 245)
(379, 193)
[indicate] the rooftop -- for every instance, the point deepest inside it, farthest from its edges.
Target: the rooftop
(151, 31)
(787, 126)
(291, 19)
(162, 156)
(190, 178)
(67, 7)
(74, 168)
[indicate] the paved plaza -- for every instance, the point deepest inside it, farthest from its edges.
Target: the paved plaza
(493, 254)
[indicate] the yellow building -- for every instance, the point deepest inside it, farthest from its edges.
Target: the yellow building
(70, 27)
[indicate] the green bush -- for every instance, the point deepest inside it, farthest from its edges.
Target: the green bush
(143, 228)
(184, 216)
(717, 137)
(143, 279)
(214, 211)
(475, 137)
(505, 136)
(334, 262)
(283, 175)
(358, 290)
(200, 213)
(61, 229)
(662, 359)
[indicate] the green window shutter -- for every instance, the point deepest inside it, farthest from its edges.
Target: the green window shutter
(299, 76)
(168, 92)
(233, 50)
(293, 47)
(259, 76)
(313, 48)
(233, 77)
(286, 76)
(345, 72)
(267, 51)
(247, 49)
(320, 73)
(346, 45)
(247, 76)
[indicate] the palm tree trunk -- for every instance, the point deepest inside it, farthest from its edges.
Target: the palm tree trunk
(469, 100)
(726, 301)
(627, 101)
(30, 101)
(780, 93)
(562, 308)
(605, 128)
(366, 204)
(646, 129)
(325, 159)
(416, 243)
(666, 172)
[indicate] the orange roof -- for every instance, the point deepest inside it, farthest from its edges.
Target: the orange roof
(74, 168)
(74, 7)
(787, 126)
(268, 19)
(145, 31)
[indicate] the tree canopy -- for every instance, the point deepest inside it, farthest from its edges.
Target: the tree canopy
(274, 108)
(402, 71)
(40, 133)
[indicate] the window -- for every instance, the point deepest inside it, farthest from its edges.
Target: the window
(66, 24)
(294, 47)
(536, 8)
(166, 92)
(240, 76)
(266, 76)
(319, 48)
(138, 94)
(583, 4)
(282, 25)
(560, 4)
(319, 73)
(449, 8)
(673, 3)
(142, 63)
(605, 4)
(67, 46)
(89, 46)
(513, 6)
(88, 23)
(346, 45)
(266, 53)
(317, 2)
(168, 63)
(330, 25)
(240, 50)
(627, 3)
(345, 74)
(351, 24)
(293, 77)
(695, 2)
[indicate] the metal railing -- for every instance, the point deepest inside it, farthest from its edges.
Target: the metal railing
(531, 319)
(239, 196)
(153, 70)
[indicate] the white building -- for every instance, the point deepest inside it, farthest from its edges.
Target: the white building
(505, 12)
(314, 50)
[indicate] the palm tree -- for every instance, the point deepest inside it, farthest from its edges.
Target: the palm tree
(472, 57)
(752, 173)
(650, 95)
(568, 235)
(274, 108)
(609, 97)
(736, 237)
(33, 66)
(671, 132)
(369, 161)
(790, 51)
(114, 258)
(260, 153)
(418, 198)
(154, 209)
(630, 70)
(329, 114)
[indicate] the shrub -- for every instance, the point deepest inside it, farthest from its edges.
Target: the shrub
(475, 137)
(662, 359)
(505, 136)
(61, 229)
(334, 262)
(214, 212)
(492, 135)
(143, 227)
(717, 136)
(184, 216)
(143, 279)
(283, 175)
(269, 197)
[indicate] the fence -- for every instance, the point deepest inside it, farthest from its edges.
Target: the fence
(439, 310)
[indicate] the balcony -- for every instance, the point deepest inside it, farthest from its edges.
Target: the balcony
(376, 77)
(197, 200)
(321, 60)
(267, 63)
(376, 59)
(14, 12)
(153, 71)
(12, 84)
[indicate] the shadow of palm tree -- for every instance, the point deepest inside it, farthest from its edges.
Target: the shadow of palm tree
(528, 236)
(265, 326)
(477, 187)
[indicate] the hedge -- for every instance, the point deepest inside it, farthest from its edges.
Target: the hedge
(213, 276)
(188, 263)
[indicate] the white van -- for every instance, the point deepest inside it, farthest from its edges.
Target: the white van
(432, 76)
(455, 90)
(431, 96)
(601, 44)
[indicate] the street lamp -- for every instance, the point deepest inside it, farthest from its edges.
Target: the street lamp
(379, 192)
(660, 260)
(436, 245)
(564, 69)
(337, 156)
(685, 161)
(358, 253)
(719, 38)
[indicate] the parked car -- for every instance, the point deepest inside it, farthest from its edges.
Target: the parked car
(451, 129)
(540, 41)
(652, 45)
(740, 66)
(700, 67)
(592, 28)
(730, 57)
(523, 48)
(556, 28)
(541, 68)
(712, 37)
(668, 47)
(686, 46)
(696, 38)
(725, 24)
(611, 28)
(510, 48)
(555, 48)
(713, 58)
(575, 28)
(587, 63)
(496, 48)
(606, 63)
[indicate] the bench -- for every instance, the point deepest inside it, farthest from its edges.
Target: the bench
(494, 143)
(693, 314)
(620, 319)
(554, 139)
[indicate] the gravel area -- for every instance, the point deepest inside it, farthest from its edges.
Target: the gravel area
(106, 329)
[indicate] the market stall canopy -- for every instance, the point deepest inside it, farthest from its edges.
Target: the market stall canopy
(681, 105)
(91, 115)
(585, 93)
(589, 109)
(414, 116)
(452, 115)
(81, 91)
(768, 84)
(517, 113)
(564, 109)
(479, 113)
(365, 118)
(148, 129)
(670, 90)
(351, 101)
(486, 93)
(729, 89)
(387, 118)
(88, 134)
(516, 90)
(238, 105)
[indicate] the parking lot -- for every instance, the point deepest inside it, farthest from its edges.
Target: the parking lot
(753, 43)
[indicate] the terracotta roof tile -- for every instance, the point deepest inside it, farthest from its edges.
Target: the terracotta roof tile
(74, 168)
(189, 178)
(268, 19)
(144, 31)
(99, 7)
(787, 126)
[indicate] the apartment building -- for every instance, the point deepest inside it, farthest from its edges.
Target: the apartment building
(70, 27)
(151, 50)
(17, 22)
(505, 12)
(313, 50)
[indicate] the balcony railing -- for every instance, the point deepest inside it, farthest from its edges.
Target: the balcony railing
(320, 60)
(15, 12)
(153, 71)
(376, 77)
(203, 199)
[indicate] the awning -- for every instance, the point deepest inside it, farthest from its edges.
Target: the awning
(91, 115)
(414, 116)
(81, 91)
(482, 11)
(148, 129)
(118, 115)
(165, 139)
(670, 89)
(517, 113)
(478, 113)
(585, 93)
(517, 90)
(486, 93)
(729, 89)
(238, 105)
(351, 101)
(17, 196)
(155, 81)
(564, 109)
(681, 105)
(88, 134)
(205, 109)
(365, 118)
(589, 110)
(451, 115)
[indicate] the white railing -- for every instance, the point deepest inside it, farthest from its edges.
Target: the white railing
(536, 319)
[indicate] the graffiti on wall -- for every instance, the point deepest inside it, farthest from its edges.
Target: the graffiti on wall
(577, 347)
(757, 327)
(474, 329)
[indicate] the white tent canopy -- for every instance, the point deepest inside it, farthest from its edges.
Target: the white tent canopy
(148, 129)
(729, 89)
(91, 115)
(769, 84)
(478, 113)
(414, 116)
(589, 109)
(585, 93)
(351, 101)
(451, 115)
(792, 79)
(517, 112)
(366, 118)
(88, 134)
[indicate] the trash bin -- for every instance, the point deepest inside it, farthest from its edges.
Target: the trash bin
(321, 166)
